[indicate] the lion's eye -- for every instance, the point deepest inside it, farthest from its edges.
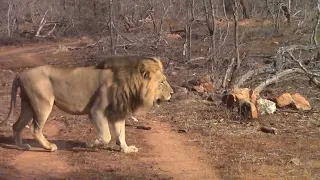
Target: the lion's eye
(162, 83)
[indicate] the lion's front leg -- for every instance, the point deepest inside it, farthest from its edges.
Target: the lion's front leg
(119, 129)
(101, 125)
(99, 120)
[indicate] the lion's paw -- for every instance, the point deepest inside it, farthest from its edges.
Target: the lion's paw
(89, 145)
(24, 147)
(53, 147)
(130, 149)
(93, 143)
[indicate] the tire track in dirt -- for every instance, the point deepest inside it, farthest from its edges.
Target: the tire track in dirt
(40, 163)
(37, 162)
(173, 157)
(25, 57)
(5, 51)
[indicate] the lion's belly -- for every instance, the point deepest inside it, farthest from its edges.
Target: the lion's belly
(74, 91)
(74, 98)
(72, 108)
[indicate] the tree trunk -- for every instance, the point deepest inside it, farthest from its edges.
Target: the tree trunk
(112, 35)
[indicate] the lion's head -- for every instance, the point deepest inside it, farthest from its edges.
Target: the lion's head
(139, 81)
(164, 91)
(156, 87)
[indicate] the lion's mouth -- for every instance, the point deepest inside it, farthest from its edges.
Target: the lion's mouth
(157, 102)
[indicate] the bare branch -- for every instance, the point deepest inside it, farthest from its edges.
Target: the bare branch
(196, 59)
(82, 47)
(315, 29)
(112, 44)
(124, 37)
(42, 23)
(211, 25)
(286, 12)
(296, 47)
(9, 71)
(227, 28)
(308, 73)
(249, 74)
(227, 76)
(54, 26)
(236, 39)
(8, 19)
(276, 77)
(166, 9)
(187, 44)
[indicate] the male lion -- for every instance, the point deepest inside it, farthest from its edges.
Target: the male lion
(107, 94)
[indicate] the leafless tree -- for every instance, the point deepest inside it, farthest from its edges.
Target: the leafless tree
(9, 24)
(229, 6)
(236, 39)
(210, 15)
(112, 34)
(189, 21)
(315, 29)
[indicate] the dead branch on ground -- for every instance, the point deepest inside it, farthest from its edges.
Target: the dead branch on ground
(289, 65)
(251, 73)
(276, 77)
(196, 59)
(311, 75)
(9, 71)
(280, 58)
(92, 45)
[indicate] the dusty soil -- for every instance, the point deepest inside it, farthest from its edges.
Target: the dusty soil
(163, 153)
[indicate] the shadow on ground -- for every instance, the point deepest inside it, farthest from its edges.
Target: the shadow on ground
(7, 142)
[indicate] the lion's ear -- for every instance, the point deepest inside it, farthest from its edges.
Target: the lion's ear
(144, 72)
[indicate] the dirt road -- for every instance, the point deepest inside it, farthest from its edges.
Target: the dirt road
(163, 153)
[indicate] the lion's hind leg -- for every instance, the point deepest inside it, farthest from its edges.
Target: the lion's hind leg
(43, 108)
(119, 129)
(25, 117)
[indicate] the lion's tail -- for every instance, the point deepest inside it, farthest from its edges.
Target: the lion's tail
(14, 91)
